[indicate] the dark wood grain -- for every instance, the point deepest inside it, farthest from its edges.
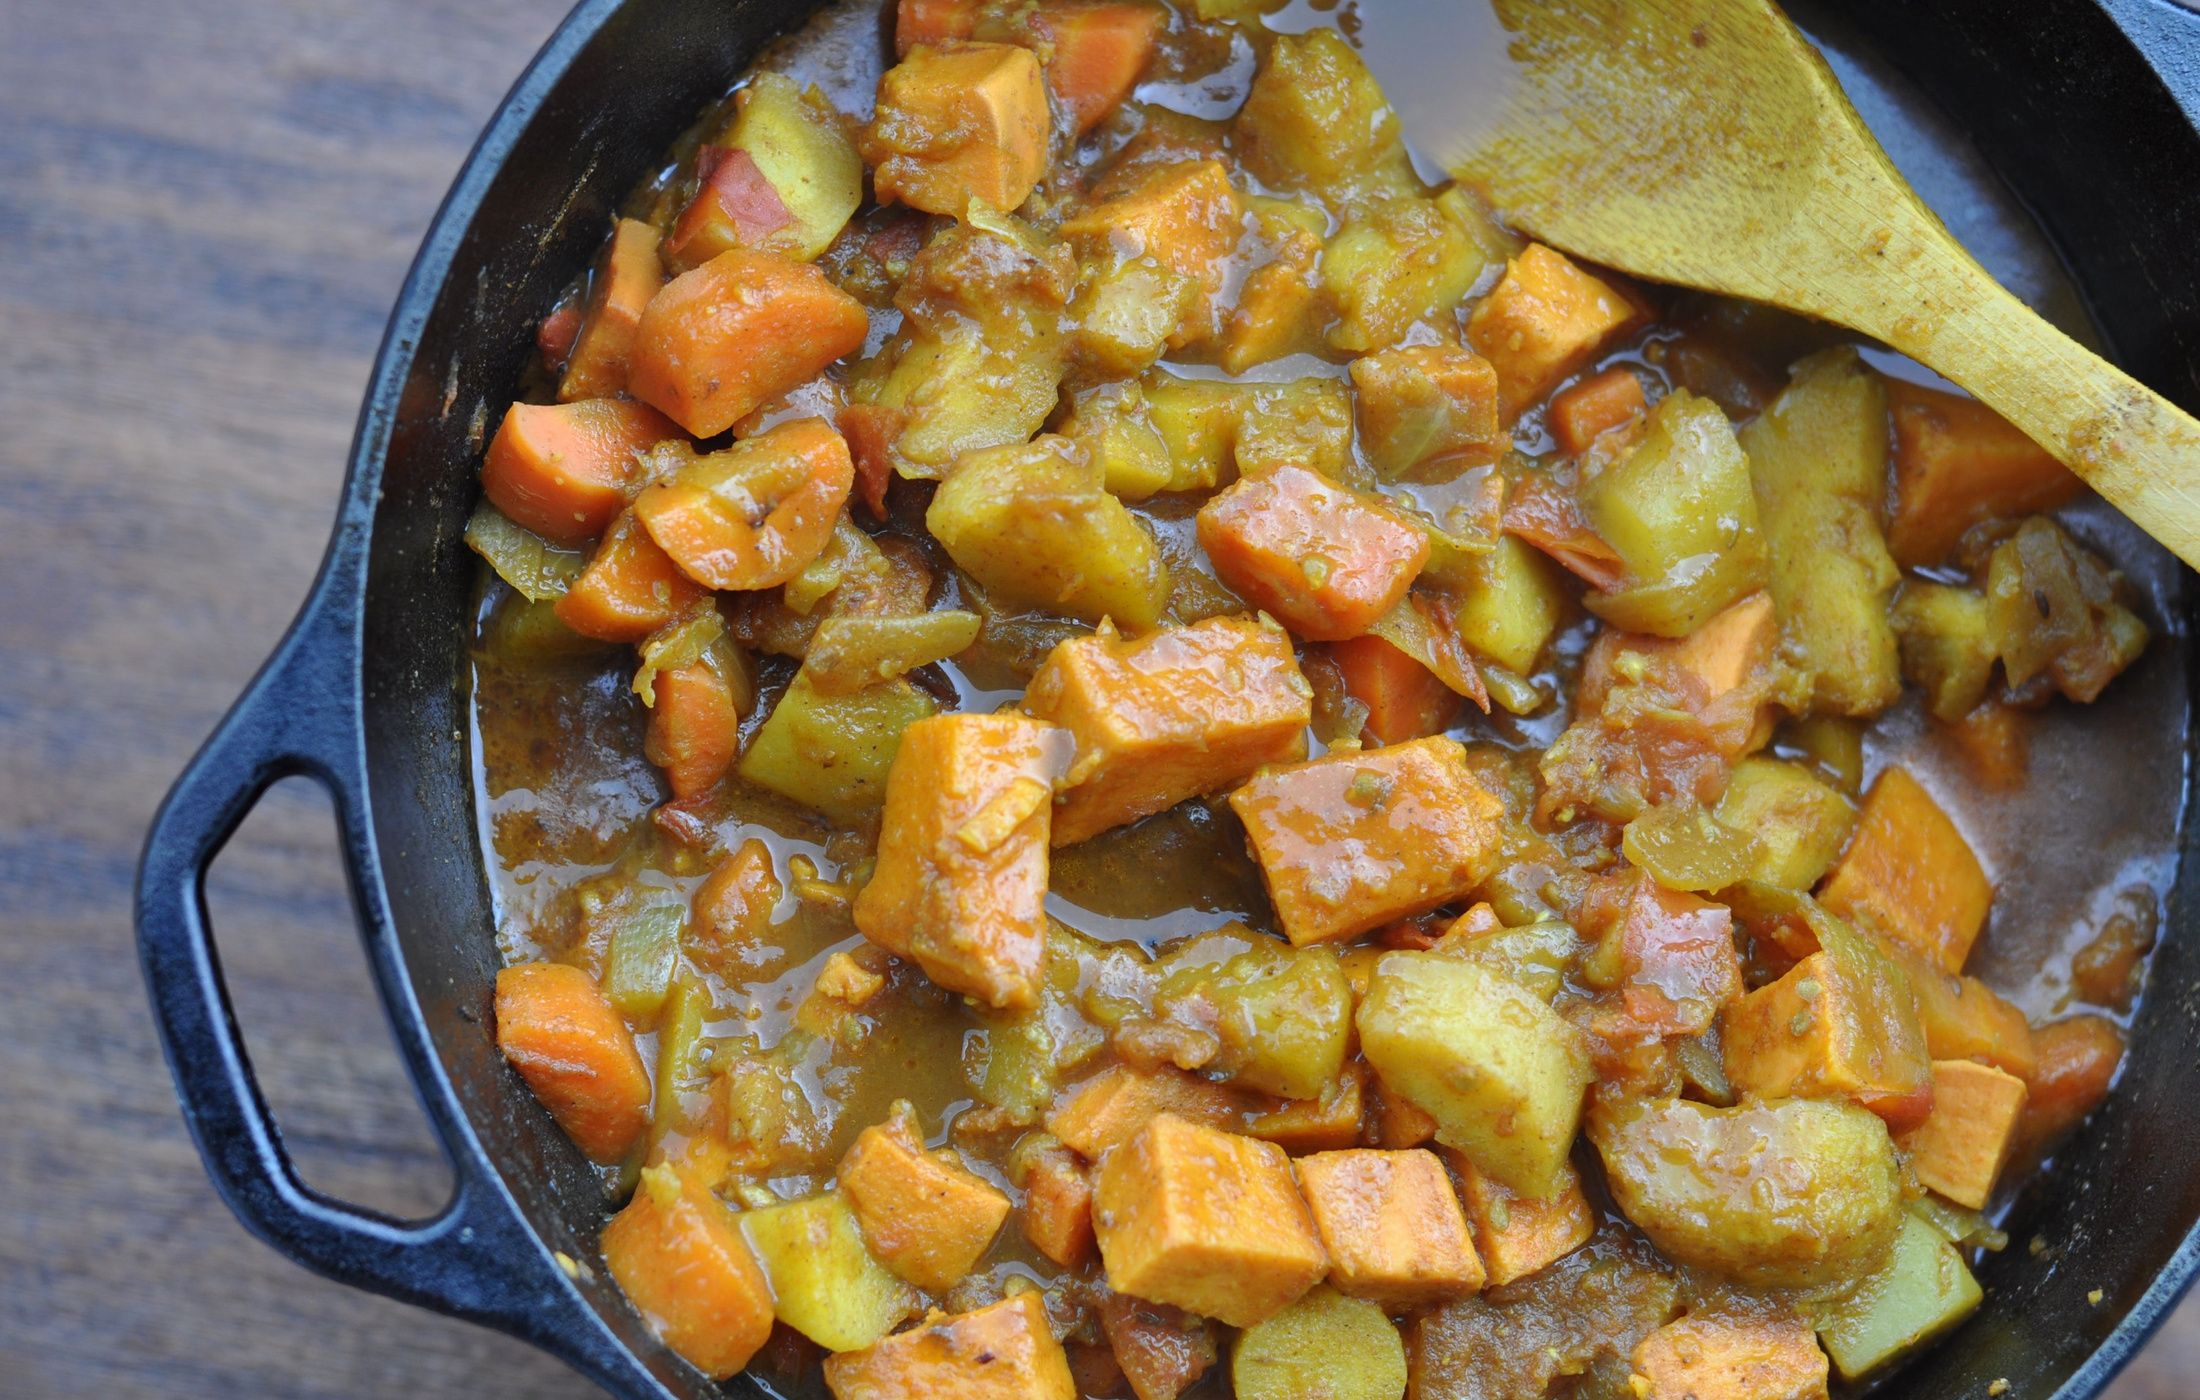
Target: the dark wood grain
(207, 207)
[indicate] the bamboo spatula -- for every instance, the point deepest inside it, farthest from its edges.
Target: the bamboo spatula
(1705, 143)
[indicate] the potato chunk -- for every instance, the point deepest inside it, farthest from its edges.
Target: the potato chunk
(1324, 559)
(958, 123)
(1393, 267)
(1919, 1292)
(1513, 601)
(1799, 822)
(925, 1215)
(1784, 1194)
(833, 752)
(1326, 1344)
(1034, 525)
(1169, 716)
(962, 859)
(801, 145)
(1281, 1016)
(1206, 1220)
(1497, 1069)
(1003, 1352)
(1910, 874)
(826, 1284)
(1185, 217)
(1818, 459)
(1709, 1356)
(1947, 646)
(1423, 833)
(1316, 119)
(1545, 319)
(1961, 1147)
(1392, 1225)
(1427, 409)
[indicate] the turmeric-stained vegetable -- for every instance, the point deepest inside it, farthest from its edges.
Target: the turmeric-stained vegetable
(1787, 1193)
(629, 587)
(1709, 1356)
(1317, 120)
(1392, 1225)
(925, 1215)
(678, 1254)
(639, 965)
(1100, 49)
(1325, 560)
(956, 124)
(1960, 1148)
(1511, 602)
(825, 1282)
(1404, 699)
(695, 725)
(1545, 319)
(1427, 410)
(562, 470)
(755, 514)
(1947, 645)
(1281, 1016)
(1005, 1351)
(735, 206)
(1324, 1344)
(537, 570)
(629, 275)
(848, 653)
(1921, 1291)
(2077, 1061)
(1602, 403)
(1186, 218)
(801, 147)
(1957, 464)
(1161, 1350)
(1400, 264)
(2052, 613)
(1796, 822)
(1115, 1105)
(719, 342)
(1517, 1235)
(567, 1041)
(1910, 874)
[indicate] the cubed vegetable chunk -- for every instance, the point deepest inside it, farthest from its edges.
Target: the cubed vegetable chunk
(756, 514)
(1947, 643)
(1818, 458)
(563, 470)
(1185, 216)
(1518, 1235)
(1910, 874)
(566, 1040)
(826, 1283)
(628, 277)
(677, 1253)
(1799, 822)
(1057, 1209)
(962, 860)
(1166, 717)
(1323, 558)
(1676, 960)
(1034, 525)
(1003, 1352)
(1921, 1291)
(1100, 49)
(1427, 410)
(1281, 1016)
(802, 148)
(1392, 1225)
(1423, 832)
(1397, 265)
(958, 123)
(1788, 1193)
(1512, 601)
(925, 1215)
(1161, 1350)
(833, 752)
(2076, 1064)
(1957, 464)
(1114, 1106)
(1842, 1022)
(718, 343)
(1316, 119)
(1712, 1356)
(1602, 403)
(1497, 1069)
(1206, 1220)
(1326, 1344)
(1961, 1147)
(629, 589)
(1545, 319)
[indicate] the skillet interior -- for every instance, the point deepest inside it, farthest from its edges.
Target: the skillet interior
(2060, 102)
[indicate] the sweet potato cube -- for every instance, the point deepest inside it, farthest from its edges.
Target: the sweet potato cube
(962, 856)
(1205, 1220)
(1423, 833)
(1186, 217)
(1518, 1235)
(957, 123)
(720, 342)
(1003, 1352)
(1963, 1018)
(1705, 1356)
(1600, 404)
(1330, 1123)
(1910, 874)
(1100, 49)
(630, 275)
(1168, 716)
(1427, 406)
(1325, 559)
(925, 1215)
(1963, 1143)
(678, 1255)
(1399, 1121)
(1544, 319)
(1831, 1028)
(1958, 463)
(1392, 1225)
(1057, 1212)
(1115, 1105)
(562, 1034)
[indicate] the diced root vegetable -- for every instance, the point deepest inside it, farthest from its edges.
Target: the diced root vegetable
(1100, 49)
(1960, 1148)
(2077, 1061)
(1404, 699)
(694, 728)
(735, 207)
(1114, 1106)
(1325, 560)
(569, 1044)
(825, 1282)
(1517, 1235)
(1710, 1356)
(563, 470)
(629, 589)
(959, 124)
(1958, 464)
(1921, 1291)
(1544, 320)
(925, 1215)
(756, 514)
(1003, 1352)
(832, 752)
(604, 339)
(1325, 1344)
(1427, 409)
(1602, 403)
(1392, 1225)
(677, 1253)
(1909, 873)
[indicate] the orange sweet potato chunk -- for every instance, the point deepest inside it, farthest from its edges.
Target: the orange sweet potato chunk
(1961, 1147)
(958, 122)
(629, 276)
(1958, 463)
(924, 1214)
(1544, 319)
(1208, 1221)
(1910, 874)
(1184, 216)
(1813, 1034)
(1519, 1235)
(1711, 1357)
(1057, 1209)
(1115, 1105)
(629, 589)
(1168, 716)
(568, 1042)
(962, 856)
(1100, 49)
(1323, 558)
(678, 1255)
(1330, 1123)
(1003, 1352)
(1422, 832)
(1392, 1225)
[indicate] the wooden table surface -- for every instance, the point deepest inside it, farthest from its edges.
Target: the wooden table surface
(206, 207)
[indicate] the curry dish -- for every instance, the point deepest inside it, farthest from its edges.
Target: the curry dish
(1131, 752)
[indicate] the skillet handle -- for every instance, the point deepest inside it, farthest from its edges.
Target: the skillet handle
(301, 717)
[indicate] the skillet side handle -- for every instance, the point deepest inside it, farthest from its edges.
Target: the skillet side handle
(300, 717)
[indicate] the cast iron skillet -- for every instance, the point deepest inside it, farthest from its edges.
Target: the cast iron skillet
(2090, 108)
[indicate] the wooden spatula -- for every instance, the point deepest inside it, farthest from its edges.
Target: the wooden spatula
(1705, 143)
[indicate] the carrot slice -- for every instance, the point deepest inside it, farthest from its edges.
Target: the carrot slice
(629, 589)
(562, 470)
(1584, 412)
(1325, 560)
(563, 1036)
(678, 1254)
(723, 340)
(756, 514)
(1957, 463)
(1099, 52)
(1404, 699)
(932, 22)
(695, 728)
(629, 277)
